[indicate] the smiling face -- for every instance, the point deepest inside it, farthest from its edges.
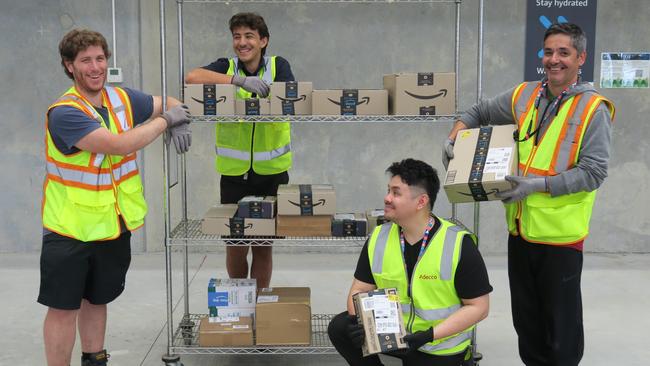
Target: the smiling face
(561, 62)
(89, 70)
(248, 45)
(402, 201)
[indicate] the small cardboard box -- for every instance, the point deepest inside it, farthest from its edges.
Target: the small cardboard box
(350, 102)
(425, 93)
(283, 316)
(482, 158)
(349, 224)
(291, 98)
(380, 314)
(235, 331)
(222, 220)
(252, 107)
(304, 225)
(256, 207)
(306, 199)
(232, 292)
(210, 99)
(375, 218)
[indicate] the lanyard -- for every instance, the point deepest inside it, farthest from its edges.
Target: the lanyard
(549, 108)
(425, 239)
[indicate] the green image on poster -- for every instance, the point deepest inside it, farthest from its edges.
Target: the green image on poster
(624, 70)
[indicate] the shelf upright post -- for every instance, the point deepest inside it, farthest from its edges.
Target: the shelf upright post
(454, 214)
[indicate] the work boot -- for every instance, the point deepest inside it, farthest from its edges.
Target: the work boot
(95, 359)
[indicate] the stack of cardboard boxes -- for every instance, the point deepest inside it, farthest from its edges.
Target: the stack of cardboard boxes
(349, 224)
(425, 93)
(252, 216)
(305, 210)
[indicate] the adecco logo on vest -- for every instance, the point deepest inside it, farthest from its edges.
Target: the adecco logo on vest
(433, 276)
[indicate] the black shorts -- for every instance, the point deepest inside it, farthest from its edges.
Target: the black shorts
(234, 188)
(72, 270)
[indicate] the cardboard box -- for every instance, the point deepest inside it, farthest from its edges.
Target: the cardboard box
(421, 93)
(210, 99)
(350, 102)
(306, 199)
(348, 224)
(222, 220)
(482, 159)
(252, 107)
(291, 98)
(232, 292)
(380, 313)
(236, 331)
(289, 225)
(375, 218)
(257, 207)
(283, 316)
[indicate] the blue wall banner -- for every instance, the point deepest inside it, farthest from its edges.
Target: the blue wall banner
(540, 14)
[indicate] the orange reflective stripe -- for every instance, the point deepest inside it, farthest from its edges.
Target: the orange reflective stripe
(116, 121)
(127, 176)
(90, 169)
(530, 103)
(586, 119)
(127, 106)
(565, 127)
(515, 98)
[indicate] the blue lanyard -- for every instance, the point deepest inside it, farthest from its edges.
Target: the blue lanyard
(425, 239)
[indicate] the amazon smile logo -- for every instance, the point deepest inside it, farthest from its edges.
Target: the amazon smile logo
(493, 191)
(443, 93)
(363, 100)
(221, 99)
(302, 97)
(320, 202)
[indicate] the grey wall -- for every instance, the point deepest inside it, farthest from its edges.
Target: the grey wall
(335, 46)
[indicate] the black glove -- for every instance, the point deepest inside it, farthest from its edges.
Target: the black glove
(355, 331)
(418, 339)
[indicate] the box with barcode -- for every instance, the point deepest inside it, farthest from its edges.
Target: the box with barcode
(283, 316)
(380, 314)
(482, 159)
(232, 293)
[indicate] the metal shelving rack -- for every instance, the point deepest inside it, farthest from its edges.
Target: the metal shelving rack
(184, 338)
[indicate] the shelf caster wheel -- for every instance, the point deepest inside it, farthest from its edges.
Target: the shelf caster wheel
(172, 360)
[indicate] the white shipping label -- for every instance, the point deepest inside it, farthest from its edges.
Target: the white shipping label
(377, 213)
(267, 298)
(498, 162)
(240, 327)
(223, 319)
(344, 216)
(386, 317)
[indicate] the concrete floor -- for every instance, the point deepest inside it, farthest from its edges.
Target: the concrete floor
(616, 296)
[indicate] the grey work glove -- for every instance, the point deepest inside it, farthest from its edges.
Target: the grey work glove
(523, 186)
(176, 116)
(252, 84)
(419, 339)
(181, 135)
(447, 152)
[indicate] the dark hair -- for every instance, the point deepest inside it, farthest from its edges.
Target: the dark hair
(578, 37)
(78, 40)
(416, 173)
(253, 21)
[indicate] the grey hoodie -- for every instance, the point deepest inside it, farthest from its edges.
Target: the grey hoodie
(591, 169)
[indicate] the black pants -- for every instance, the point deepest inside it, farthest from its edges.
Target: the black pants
(546, 302)
(337, 331)
(234, 188)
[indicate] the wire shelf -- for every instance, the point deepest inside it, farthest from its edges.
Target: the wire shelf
(320, 1)
(186, 340)
(325, 119)
(189, 232)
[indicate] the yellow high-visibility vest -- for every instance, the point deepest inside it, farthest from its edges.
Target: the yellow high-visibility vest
(264, 146)
(85, 193)
(540, 218)
(433, 294)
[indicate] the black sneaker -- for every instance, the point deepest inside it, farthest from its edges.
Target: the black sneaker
(95, 359)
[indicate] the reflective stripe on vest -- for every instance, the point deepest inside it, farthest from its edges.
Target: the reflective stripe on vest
(90, 110)
(101, 181)
(424, 310)
(540, 218)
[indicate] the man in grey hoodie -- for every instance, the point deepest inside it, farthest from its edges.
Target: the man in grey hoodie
(564, 133)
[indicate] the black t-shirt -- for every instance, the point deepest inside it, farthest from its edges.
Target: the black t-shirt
(471, 280)
(282, 68)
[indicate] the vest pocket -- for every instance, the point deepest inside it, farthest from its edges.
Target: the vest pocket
(89, 215)
(557, 220)
(131, 201)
